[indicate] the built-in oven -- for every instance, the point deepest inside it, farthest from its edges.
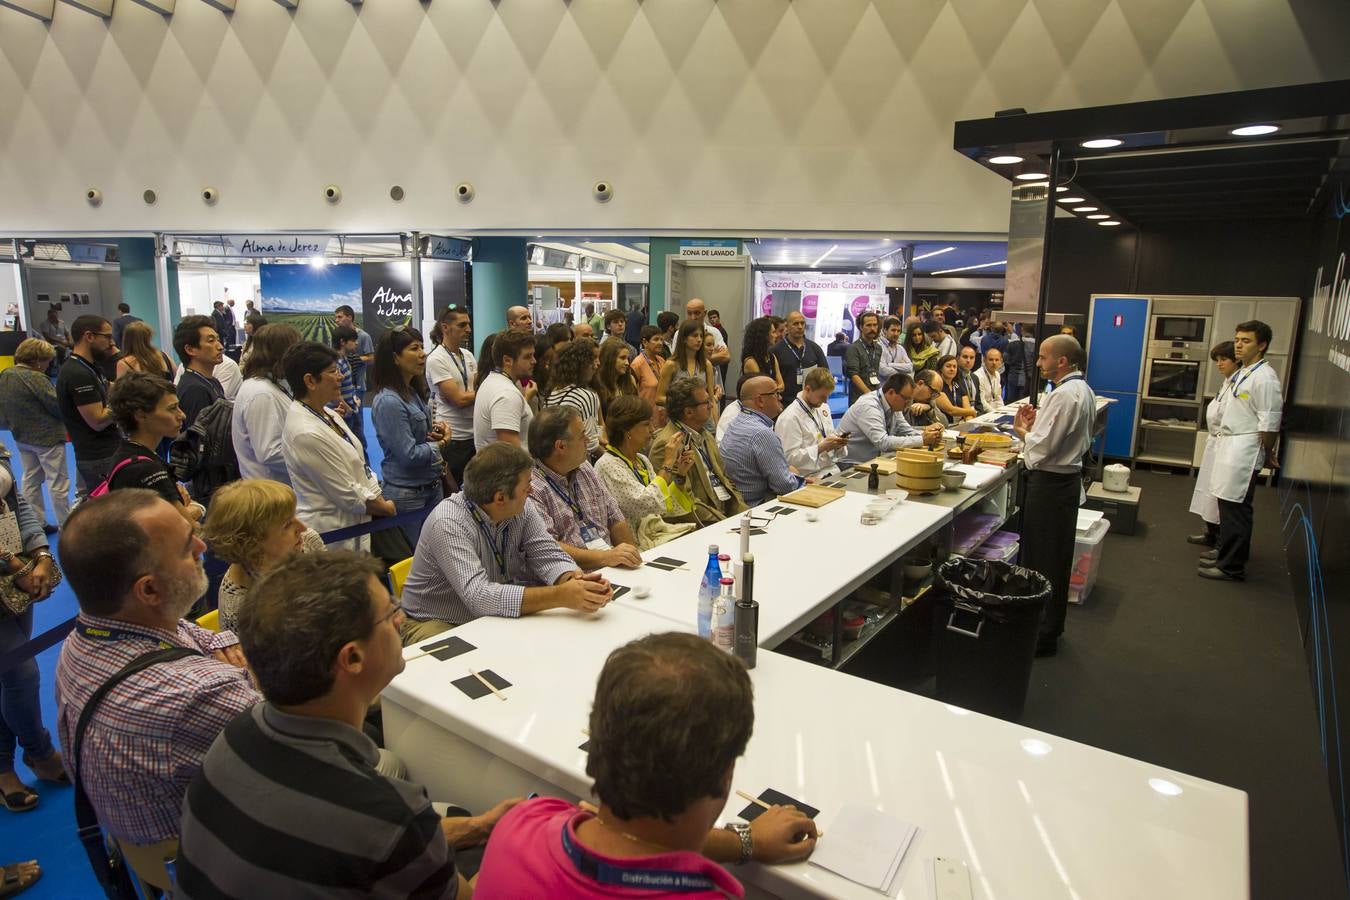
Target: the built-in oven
(1178, 332)
(1176, 377)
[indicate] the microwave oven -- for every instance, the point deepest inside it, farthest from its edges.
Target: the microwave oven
(1179, 331)
(1173, 379)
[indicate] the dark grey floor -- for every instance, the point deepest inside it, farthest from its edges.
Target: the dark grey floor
(1205, 677)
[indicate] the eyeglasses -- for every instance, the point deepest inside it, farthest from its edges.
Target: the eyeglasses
(778, 394)
(395, 609)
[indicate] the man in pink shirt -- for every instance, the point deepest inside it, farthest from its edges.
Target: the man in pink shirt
(672, 713)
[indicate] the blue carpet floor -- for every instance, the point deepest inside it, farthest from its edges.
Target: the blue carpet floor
(47, 833)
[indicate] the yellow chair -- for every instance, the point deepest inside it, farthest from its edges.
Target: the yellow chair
(210, 621)
(398, 573)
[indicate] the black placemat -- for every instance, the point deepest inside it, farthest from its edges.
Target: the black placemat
(473, 688)
(776, 798)
(452, 647)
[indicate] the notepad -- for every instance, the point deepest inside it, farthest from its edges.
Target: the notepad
(865, 846)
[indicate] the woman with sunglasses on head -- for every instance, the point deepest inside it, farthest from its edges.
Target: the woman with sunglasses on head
(412, 442)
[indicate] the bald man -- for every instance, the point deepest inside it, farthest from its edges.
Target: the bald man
(697, 311)
(518, 318)
(1056, 436)
(581, 330)
(797, 355)
(751, 451)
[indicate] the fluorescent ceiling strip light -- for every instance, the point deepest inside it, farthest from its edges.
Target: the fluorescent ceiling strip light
(1001, 262)
(934, 253)
(824, 256)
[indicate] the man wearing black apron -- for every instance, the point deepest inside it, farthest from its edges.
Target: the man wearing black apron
(1056, 437)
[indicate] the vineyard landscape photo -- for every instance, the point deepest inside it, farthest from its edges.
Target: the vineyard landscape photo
(305, 296)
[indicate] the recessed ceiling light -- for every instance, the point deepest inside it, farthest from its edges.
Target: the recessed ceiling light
(1254, 130)
(1165, 787)
(637, 270)
(1061, 189)
(968, 268)
(1109, 222)
(1085, 209)
(1004, 160)
(1101, 143)
(1031, 176)
(933, 253)
(1099, 216)
(1071, 199)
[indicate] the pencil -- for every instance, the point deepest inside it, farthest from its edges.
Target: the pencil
(487, 684)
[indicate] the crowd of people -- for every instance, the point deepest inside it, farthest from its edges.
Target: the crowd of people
(518, 475)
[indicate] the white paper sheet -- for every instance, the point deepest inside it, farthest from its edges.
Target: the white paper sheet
(865, 846)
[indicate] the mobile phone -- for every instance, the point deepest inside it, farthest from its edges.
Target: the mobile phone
(951, 879)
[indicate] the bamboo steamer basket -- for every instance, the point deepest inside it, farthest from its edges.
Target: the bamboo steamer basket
(921, 465)
(989, 441)
(919, 485)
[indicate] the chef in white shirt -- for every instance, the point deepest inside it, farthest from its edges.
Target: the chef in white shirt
(806, 428)
(989, 380)
(1203, 502)
(1245, 441)
(1055, 438)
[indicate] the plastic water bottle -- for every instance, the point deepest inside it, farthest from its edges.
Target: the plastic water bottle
(724, 619)
(708, 589)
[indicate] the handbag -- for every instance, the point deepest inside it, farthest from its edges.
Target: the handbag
(14, 600)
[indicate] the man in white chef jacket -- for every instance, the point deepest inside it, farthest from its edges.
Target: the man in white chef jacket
(806, 428)
(1245, 441)
(1203, 502)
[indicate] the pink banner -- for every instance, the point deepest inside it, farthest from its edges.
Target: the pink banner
(766, 305)
(809, 305)
(859, 304)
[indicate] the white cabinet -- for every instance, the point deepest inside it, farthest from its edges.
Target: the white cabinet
(1280, 313)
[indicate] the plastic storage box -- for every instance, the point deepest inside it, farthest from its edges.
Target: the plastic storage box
(1001, 546)
(1087, 557)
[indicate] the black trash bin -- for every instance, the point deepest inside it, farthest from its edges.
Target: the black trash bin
(987, 629)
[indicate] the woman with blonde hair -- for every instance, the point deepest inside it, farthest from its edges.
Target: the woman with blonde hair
(30, 410)
(252, 526)
(139, 353)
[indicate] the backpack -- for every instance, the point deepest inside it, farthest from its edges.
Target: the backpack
(105, 485)
(204, 454)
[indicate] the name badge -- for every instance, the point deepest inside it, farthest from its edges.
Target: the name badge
(873, 381)
(722, 493)
(594, 538)
(801, 378)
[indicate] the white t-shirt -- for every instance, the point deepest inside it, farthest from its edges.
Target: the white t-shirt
(499, 405)
(718, 341)
(441, 366)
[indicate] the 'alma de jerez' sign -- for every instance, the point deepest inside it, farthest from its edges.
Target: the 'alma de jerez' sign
(277, 246)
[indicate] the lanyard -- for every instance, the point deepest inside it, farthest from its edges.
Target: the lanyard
(215, 389)
(810, 414)
(102, 381)
(886, 411)
(458, 360)
(651, 363)
(703, 452)
(323, 417)
(1245, 373)
(498, 553)
(639, 473)
(110, 635)
(801, 357)
(566, 498)
(638, 878)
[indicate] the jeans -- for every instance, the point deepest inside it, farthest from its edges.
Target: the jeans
(46, 464)
(407, 499)
(20, 711)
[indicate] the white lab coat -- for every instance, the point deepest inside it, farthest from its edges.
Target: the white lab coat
(1203, 502)
(800, 429)
(328, 473)
(1254, 405)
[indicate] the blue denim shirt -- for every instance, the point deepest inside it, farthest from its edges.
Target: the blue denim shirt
(401, 427)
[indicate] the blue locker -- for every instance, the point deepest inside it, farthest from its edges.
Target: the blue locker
(1116, 343)
(1120, 421)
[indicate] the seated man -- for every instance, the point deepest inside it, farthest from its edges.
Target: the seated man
(135, 566)
(876, 424)
(923, 410)
(486, 551)
(579, 511)
(688, 408)
(730, 412)
(291, 799)
(753, 454)
(807, 430)
(682, 710)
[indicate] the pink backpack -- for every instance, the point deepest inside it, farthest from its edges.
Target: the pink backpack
(106, 485)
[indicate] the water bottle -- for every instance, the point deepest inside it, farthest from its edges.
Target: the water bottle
(708, 590)
(724, 619)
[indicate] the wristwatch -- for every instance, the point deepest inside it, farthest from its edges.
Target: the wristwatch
(742, 831)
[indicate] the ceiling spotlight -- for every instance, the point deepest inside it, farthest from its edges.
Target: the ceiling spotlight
(1099, 216)
(1004, 160)
(1085, 209)
(1254, 130)
(637, 270)
(1031, 176)
(1071, 199)
(1061, 189)
(1101, 143)
(1109, 222)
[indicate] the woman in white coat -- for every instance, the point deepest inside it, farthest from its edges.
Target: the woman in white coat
(262, 405)
(334, 487)
(1246, 440)
(1203, 503)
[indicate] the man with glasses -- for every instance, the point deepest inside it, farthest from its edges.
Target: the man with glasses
(293, 799)
(688, 408)
(82, 393)
(135, 565)
(752, 451)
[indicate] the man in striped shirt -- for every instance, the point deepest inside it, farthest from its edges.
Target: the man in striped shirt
(290, 800)
(135, 565)
(752, 451)
(487, 552)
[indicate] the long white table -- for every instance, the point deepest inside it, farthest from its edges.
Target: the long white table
(1033, 815)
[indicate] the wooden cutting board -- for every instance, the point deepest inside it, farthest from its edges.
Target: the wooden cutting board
(813, 495)
(885, 466)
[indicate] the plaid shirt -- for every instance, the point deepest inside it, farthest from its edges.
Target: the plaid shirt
(148, 736)
(586, 490)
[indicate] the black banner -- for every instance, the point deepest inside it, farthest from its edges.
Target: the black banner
(386, 292)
